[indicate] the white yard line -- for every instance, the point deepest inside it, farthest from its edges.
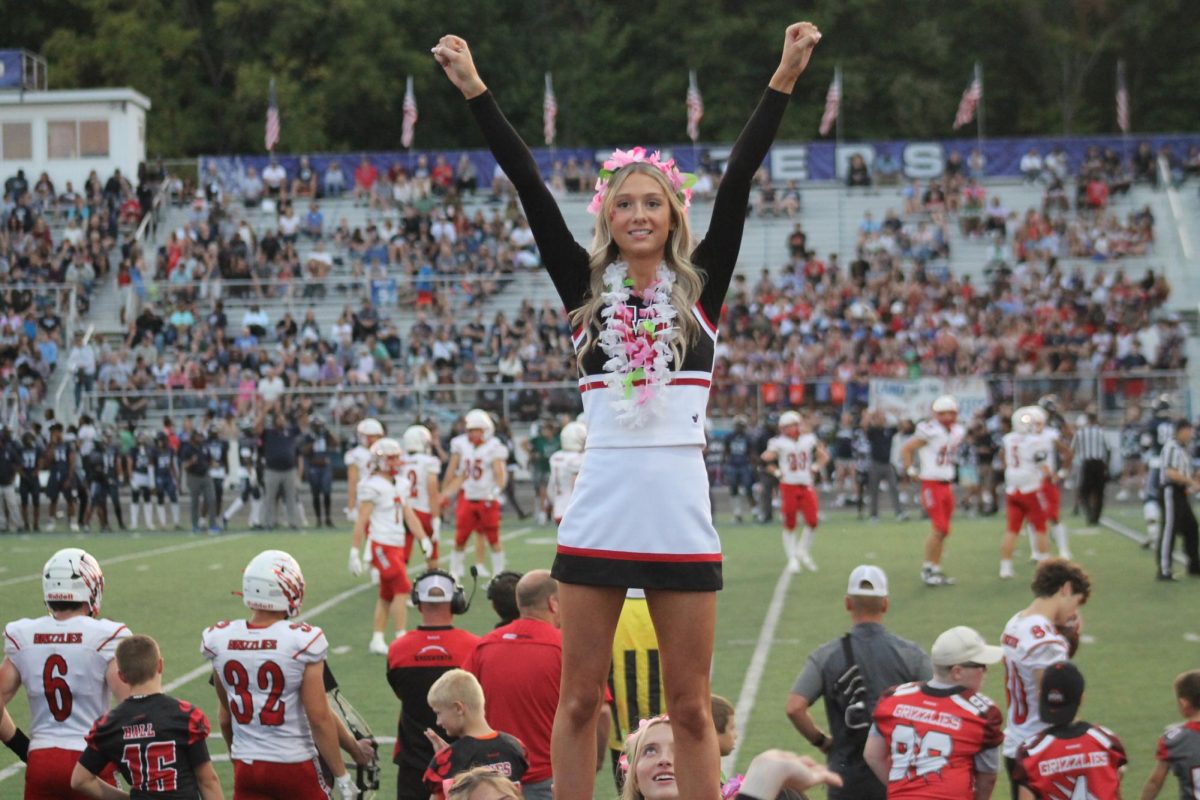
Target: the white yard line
(758, 665)
(173, 548)
(1135, 536)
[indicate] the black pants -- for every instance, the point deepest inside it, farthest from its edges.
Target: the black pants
(1178, 520)
(1091, 488)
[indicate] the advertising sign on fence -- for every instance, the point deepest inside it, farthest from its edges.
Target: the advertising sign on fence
(911, 399)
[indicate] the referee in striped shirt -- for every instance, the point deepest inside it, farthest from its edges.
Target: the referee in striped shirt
(1178, 481)
(1092, 451)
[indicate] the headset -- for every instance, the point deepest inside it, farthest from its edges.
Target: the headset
(459, 602)
(492, 584)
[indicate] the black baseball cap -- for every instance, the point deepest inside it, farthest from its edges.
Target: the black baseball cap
(1062, 692)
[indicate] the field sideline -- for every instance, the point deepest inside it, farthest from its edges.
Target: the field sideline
(1138, 633)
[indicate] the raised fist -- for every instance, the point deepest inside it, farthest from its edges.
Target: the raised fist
(798, 44)
(454, 55)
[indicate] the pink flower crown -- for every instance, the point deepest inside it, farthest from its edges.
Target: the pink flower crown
(681, 182)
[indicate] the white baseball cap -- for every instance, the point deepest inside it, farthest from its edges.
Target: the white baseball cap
(963, 645)
(428, 583)
(867, 580)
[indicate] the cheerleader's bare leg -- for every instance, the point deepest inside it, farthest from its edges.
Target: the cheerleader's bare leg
(685, 623)
(588, 615)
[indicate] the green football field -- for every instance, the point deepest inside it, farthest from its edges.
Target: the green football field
(1138, 633)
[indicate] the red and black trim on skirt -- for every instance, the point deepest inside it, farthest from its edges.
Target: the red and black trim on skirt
(700, 572)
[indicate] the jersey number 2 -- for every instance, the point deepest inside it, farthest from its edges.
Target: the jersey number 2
(151, 766)
(270, 680)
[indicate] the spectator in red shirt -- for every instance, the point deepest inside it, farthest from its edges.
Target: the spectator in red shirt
(519, 666)
(1097, 193)
(365, 175)
(442, 176)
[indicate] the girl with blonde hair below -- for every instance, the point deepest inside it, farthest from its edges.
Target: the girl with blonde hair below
(649, 766)
(643, 303)
(483, 783)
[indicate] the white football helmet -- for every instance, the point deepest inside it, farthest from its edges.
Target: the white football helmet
(273, 582)
(1022, 420)
(944, 404)
(1040, 418)
(72, 575)
(478, 419)
(386, 454)
(574, 436)
(788, 418)
(368, 430)
(417, 439)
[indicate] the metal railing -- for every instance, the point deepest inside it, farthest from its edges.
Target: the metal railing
(1109, 394)
(344, 405)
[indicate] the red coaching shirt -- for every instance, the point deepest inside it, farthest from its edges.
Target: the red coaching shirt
(415, 661)
(938, 740)
(519, 666)
(1069, 761)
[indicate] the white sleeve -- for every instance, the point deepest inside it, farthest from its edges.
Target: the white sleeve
(1047, 652)
(312, 644)
(113, 633)
(499, 453)
(12, 643)
(368, 492)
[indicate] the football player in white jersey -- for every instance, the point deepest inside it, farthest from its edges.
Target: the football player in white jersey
(1025, 467)
(358, 459)
(65, 660)
(422, 469)
(798, 456)
(477, 467)
(383, 506)
(358, 469)
(269, 674)
(564, 468)
(1058, 452)
(1043, 634)
(937, 442)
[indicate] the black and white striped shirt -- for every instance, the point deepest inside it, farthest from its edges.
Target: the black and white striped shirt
(1090, 444)
(1175, 457)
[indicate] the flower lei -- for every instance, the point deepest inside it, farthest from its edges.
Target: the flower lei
(681, 182)
(639, 355)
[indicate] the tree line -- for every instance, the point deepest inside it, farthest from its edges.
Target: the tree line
(620, 66)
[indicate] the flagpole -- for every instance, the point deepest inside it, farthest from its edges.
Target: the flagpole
(837, 146)
(1123, 93)
(979, 112)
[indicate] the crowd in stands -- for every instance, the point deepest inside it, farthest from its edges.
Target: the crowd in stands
(814, 330)
(52, 237)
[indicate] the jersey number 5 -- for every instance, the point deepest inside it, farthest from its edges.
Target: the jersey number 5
(270, 680)
(151, 766)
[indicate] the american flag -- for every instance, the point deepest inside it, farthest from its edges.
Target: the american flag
(410, 115)
(833, 103)
(1122, 99)
(695, 107)
(272, 133)
(970, 100)
(549, 112)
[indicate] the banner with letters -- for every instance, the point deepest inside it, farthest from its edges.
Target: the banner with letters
(798, 161)
(911, 399)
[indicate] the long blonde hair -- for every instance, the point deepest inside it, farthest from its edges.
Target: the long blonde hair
(465, 783)
(633, 748)
(689, 281)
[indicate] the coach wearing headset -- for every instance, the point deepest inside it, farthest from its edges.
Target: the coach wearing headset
(415, 661)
